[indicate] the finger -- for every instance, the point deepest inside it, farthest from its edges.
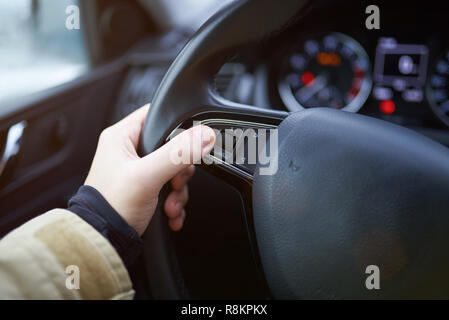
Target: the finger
(179, 153)
(175, 202)
(181, 179)
(177, 223)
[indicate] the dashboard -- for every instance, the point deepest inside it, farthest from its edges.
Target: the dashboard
(399, 72)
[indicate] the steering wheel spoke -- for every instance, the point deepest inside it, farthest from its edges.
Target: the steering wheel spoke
(242, 133)
(246, 144)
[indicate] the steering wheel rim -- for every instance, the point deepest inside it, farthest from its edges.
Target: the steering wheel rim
(186, 94)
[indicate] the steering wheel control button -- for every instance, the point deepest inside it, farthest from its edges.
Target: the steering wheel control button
(248, 149)
(224, 143)
(224, 146)
(237, 144)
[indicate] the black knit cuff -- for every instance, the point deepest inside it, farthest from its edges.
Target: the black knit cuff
(90, 205)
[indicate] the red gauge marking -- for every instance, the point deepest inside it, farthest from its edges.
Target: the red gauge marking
(308, 78)
(387, 107)
(354, 91)
(359, 73)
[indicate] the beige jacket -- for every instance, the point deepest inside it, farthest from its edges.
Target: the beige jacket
(34, 259)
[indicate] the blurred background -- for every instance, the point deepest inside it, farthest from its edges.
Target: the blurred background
(34, 42)
(37, 51)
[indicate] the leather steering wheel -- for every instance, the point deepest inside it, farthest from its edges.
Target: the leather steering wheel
(350, 191)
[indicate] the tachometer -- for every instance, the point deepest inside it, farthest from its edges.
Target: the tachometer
(438, 88)
(327, 71)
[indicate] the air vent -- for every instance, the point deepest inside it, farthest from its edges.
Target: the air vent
(233, 82)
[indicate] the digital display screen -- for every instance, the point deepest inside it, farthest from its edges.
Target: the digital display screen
(402, 65)
(406, 63)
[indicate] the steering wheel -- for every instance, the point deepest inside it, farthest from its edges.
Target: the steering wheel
(351, 193)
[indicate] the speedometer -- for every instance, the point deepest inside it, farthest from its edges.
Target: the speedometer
(326, 71)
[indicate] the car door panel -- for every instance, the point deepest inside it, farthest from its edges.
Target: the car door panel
(58, 143)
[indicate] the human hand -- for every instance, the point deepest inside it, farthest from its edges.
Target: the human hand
(131, 184)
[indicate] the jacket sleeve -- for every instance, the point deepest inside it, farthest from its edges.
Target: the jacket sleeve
(47, 257)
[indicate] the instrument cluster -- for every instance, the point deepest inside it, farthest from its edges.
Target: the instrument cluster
(399, 73)
(334, 70)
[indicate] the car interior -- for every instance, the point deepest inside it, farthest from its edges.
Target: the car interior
(300, 64)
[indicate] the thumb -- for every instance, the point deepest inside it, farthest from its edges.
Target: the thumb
(180, 152)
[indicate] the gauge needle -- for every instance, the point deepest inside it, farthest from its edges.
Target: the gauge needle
(307, 92)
